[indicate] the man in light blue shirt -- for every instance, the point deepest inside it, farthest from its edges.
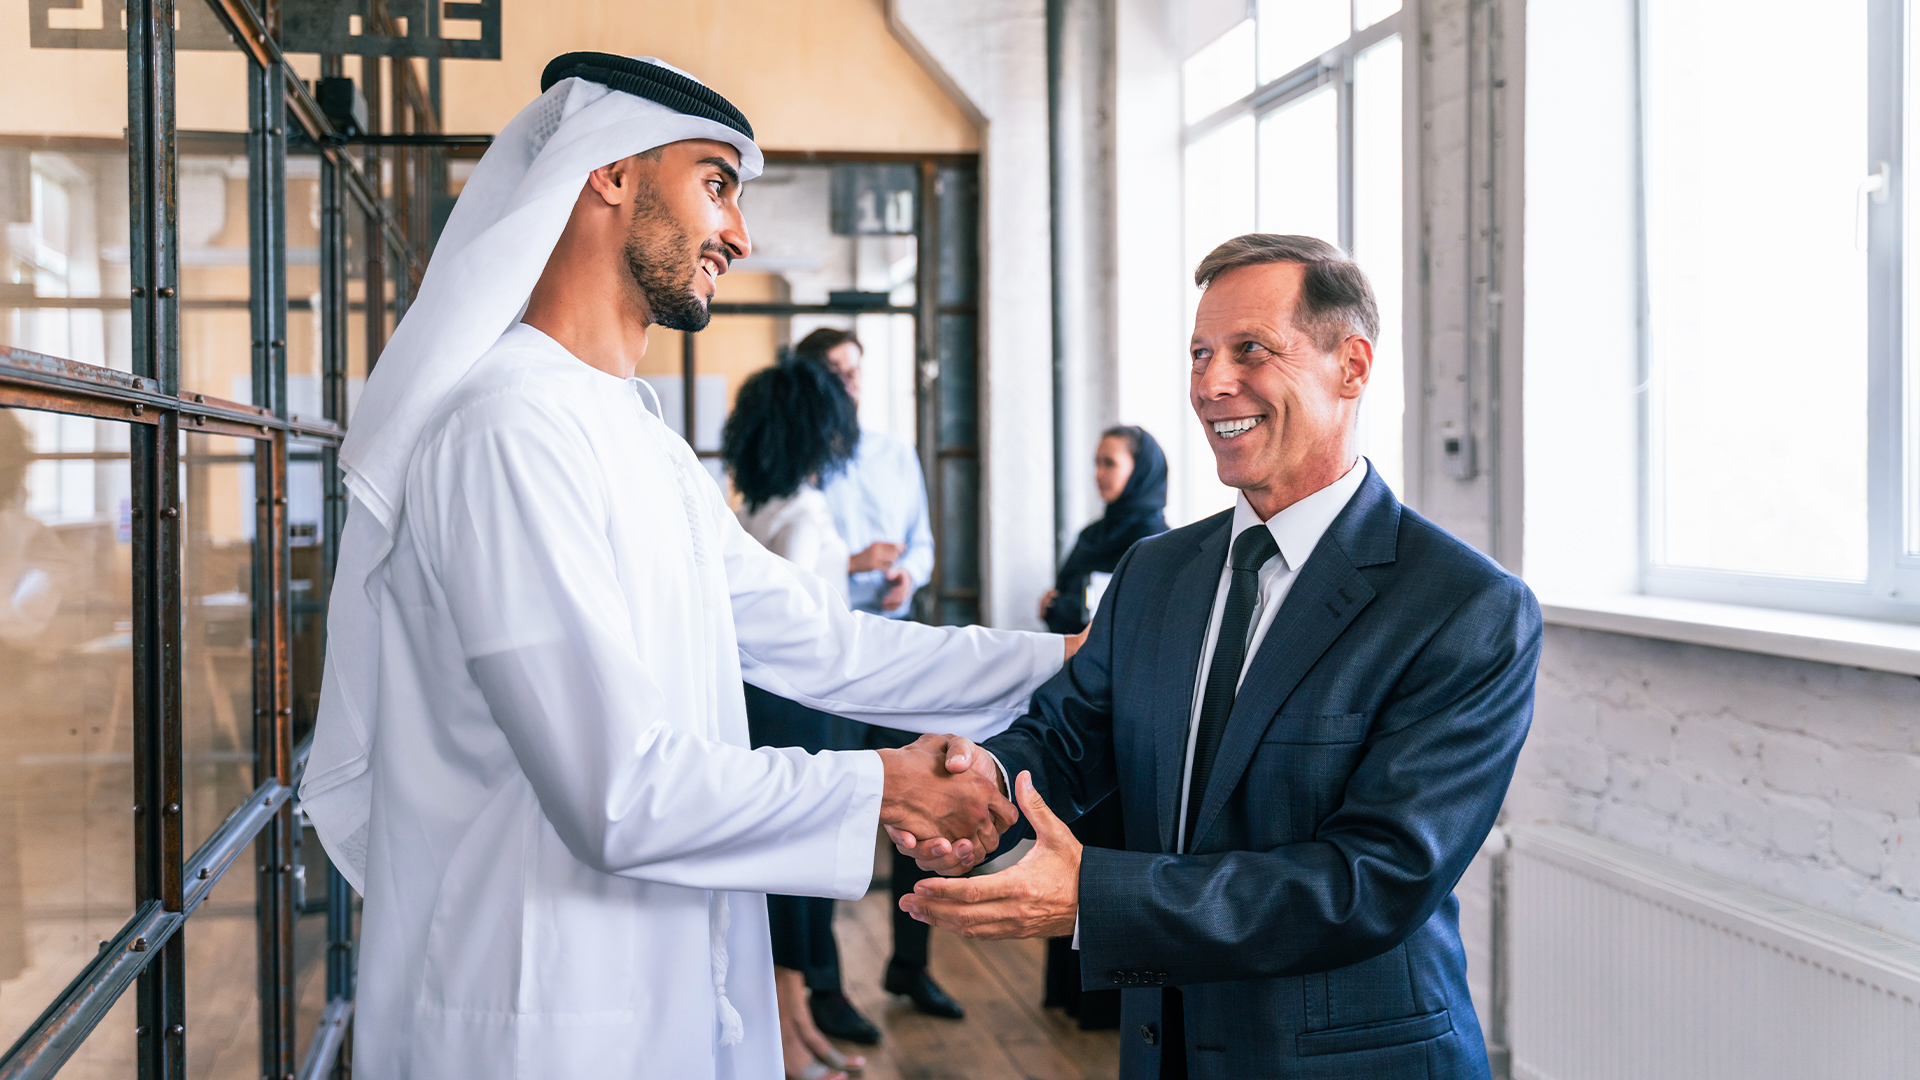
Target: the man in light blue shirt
(879, 501)
(879, 505)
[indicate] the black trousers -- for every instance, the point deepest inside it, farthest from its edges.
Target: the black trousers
(1096, 1010)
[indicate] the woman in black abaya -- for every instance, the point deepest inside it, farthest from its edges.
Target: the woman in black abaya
(1131, 472)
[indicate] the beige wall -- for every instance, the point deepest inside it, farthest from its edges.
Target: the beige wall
(813, 75)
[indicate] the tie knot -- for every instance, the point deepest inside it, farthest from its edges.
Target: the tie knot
(1253, 547)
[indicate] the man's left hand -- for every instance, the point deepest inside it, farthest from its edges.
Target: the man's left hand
(1039, 896)
(899, 589)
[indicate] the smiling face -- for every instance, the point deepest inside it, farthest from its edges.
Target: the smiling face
(1277, 408)
(685, 230)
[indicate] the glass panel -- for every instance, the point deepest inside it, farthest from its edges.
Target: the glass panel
(819, 230)
(959, 510)
(959, 385)
(1220, 74)
(1300, 167)
(66, 717)
(1759, 455)
(1292, 32)
(959, 254)
(63, 184)
(216, 656)
(223, 980)
(307, 585)
(216, 328)
(1220, 194)
(303, 286)
(1377, 247)
(1368, 12)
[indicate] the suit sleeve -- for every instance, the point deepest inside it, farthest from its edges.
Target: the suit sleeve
(1066, 738)
(1426, 791)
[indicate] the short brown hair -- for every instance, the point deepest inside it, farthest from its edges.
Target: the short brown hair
(825, 340)
(1335, 297)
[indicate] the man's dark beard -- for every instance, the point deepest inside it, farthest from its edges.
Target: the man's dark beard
(655, 257)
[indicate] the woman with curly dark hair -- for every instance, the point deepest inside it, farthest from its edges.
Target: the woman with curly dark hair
(793, 426)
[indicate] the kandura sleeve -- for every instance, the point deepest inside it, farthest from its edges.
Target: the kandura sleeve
(799, 640)
(517, 534)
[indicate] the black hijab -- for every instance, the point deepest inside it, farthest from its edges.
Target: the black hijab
(1139, 512)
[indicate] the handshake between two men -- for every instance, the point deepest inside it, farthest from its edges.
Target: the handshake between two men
(946, 807)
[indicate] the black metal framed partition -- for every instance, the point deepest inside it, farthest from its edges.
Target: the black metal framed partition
(932, 202)
(170, 508)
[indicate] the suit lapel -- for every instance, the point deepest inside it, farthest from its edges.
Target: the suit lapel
(1182, 635)
(1325, 598)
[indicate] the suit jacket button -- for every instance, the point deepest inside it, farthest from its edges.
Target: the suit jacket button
(1117, 976)
(1147, 1033)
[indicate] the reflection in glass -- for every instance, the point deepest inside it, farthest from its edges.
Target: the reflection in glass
(1293, 32)
(1751, 472)
(64, 261)
(216, 655)
(66, 717)
(1377, 247)
(216, 327)
(1220, 74)
(1300, 167)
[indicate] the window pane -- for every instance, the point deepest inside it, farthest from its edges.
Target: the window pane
(63, 184)
(1300, 167)
(1759, 455)
(1376, 246)
(1368, 12)
(216, 328)
(1220, 197)
(1293, 32)
(223, 979)
(216, 656)
(66, 717)
(1220, 74)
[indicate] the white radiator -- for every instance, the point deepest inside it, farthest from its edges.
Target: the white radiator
(1628, 966)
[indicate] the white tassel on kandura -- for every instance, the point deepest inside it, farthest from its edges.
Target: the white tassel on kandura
(719, 914)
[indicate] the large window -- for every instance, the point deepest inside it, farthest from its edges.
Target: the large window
(1294, 126)
(1781, 466)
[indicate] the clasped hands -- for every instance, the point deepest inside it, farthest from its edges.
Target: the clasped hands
(946, 808)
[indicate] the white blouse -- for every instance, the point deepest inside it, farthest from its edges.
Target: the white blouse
(800, 529)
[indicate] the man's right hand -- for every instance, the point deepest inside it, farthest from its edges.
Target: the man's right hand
(877, 556)
(950, 811)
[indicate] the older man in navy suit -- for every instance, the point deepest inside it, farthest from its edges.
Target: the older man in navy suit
(1310, 705)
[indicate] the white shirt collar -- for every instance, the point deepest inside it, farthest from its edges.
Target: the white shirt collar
(1299, 527)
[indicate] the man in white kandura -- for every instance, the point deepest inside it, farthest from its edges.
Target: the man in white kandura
(531, 756)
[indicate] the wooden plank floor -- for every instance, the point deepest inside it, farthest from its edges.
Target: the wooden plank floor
(1006, 1035)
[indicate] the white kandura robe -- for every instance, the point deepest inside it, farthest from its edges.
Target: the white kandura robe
(561, 771)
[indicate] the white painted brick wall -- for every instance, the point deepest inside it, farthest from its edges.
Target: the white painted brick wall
(1798, 778)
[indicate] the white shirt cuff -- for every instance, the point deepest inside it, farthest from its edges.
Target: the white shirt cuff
(1076, 932)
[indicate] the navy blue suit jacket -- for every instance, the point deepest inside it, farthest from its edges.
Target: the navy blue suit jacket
(1312, 928)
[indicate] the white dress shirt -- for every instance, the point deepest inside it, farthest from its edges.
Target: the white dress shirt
(881, 495)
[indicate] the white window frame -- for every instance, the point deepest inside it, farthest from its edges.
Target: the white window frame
(1335, 67)
(1892, 587)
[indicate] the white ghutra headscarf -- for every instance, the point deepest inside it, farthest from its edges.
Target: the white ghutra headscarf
(493, 250)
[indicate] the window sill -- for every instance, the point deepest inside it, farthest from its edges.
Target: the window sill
(1827, 639)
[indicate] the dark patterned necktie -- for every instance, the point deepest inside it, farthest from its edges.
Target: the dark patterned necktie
(1251, 549)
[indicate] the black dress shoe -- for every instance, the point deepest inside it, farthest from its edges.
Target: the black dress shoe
(927, 996)
(836, 1018)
